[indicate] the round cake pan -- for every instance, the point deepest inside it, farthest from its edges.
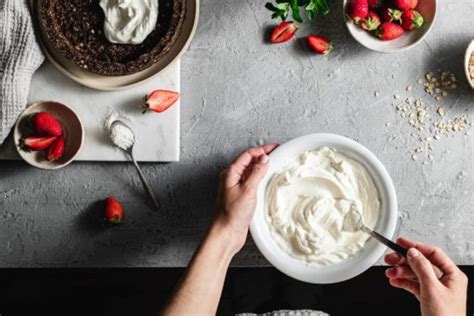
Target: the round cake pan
(101, 82)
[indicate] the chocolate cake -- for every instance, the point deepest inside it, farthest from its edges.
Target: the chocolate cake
(75, 28)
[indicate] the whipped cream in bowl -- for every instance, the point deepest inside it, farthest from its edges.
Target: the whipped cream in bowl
(301, 224)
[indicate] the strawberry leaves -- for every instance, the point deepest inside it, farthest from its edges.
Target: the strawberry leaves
(282, 8)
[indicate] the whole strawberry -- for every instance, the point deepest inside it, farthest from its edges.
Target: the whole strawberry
(391, 15)
(56, 150)
(405, 4)
(372, 22)
(283, 32)
(411, 19)
(389, 31)
(375, 4)
(358, 10)
(113, 211)
(45, 124)
(319, 44)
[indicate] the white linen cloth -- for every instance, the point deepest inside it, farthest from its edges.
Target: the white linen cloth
(20, 56)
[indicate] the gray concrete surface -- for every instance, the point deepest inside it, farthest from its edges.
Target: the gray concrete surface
(238, 92)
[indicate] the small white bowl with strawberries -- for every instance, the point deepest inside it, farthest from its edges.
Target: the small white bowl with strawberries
(48, 135)
(389, 26)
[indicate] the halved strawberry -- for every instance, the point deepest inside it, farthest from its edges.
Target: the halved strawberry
(45, 123)
(160, 100)
(37, 142)
(56, 150)
(283, 32)
(113, 211)
(319, 44)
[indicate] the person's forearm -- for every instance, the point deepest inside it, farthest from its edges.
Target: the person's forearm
(200, 289)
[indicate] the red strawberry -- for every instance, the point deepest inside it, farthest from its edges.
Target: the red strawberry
(56, 150)
(375, 4)
(411, 19)
(358, 10)
(389, 31)
(283, 32)
(371, 23)
(405, 4)
(113, 211)
(391, 15)
(45, 123)
(38, 142)
(319, 44)
(160, 100)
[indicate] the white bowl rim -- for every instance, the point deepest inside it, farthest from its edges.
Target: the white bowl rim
(467, 57)
(384, 50)
(373, 250)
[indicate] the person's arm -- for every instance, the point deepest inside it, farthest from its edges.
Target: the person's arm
(199, 291)
(437, 297)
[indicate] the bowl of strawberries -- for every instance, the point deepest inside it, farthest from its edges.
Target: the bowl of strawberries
(389, 26)
(48, 135)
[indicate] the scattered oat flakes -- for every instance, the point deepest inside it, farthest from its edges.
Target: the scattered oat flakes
(441, 111)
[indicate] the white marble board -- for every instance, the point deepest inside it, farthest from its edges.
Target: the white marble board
(157, 133)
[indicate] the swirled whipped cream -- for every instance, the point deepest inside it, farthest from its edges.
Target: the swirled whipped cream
(129, 21)
(307, 201)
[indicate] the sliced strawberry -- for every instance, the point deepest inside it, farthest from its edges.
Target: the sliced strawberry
(38, 142)
(56, 150)
(389, 31)
(371, 23)
(319, 44)
(411, 19)
(113, 211)
(357, 10)
(160, 100)
(283, 32)
(45, 123)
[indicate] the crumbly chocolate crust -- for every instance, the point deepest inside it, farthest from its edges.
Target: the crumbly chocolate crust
(75, 28)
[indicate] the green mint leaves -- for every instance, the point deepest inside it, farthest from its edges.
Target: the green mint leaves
(281, 9)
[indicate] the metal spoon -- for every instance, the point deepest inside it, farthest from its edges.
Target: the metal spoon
(127, 146)
(353, 222)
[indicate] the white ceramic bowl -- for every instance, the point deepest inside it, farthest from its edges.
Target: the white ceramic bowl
(427, 9)
(467, 57)
(371, 252)
(73, 132)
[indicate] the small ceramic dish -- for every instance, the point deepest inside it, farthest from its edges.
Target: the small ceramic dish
(372, 250)
(467, 68)
(73, 132)
(427, 9)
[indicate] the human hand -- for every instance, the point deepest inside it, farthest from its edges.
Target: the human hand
(415, 274)
(237, 193)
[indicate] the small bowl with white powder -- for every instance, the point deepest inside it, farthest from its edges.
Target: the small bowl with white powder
(312, 183)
